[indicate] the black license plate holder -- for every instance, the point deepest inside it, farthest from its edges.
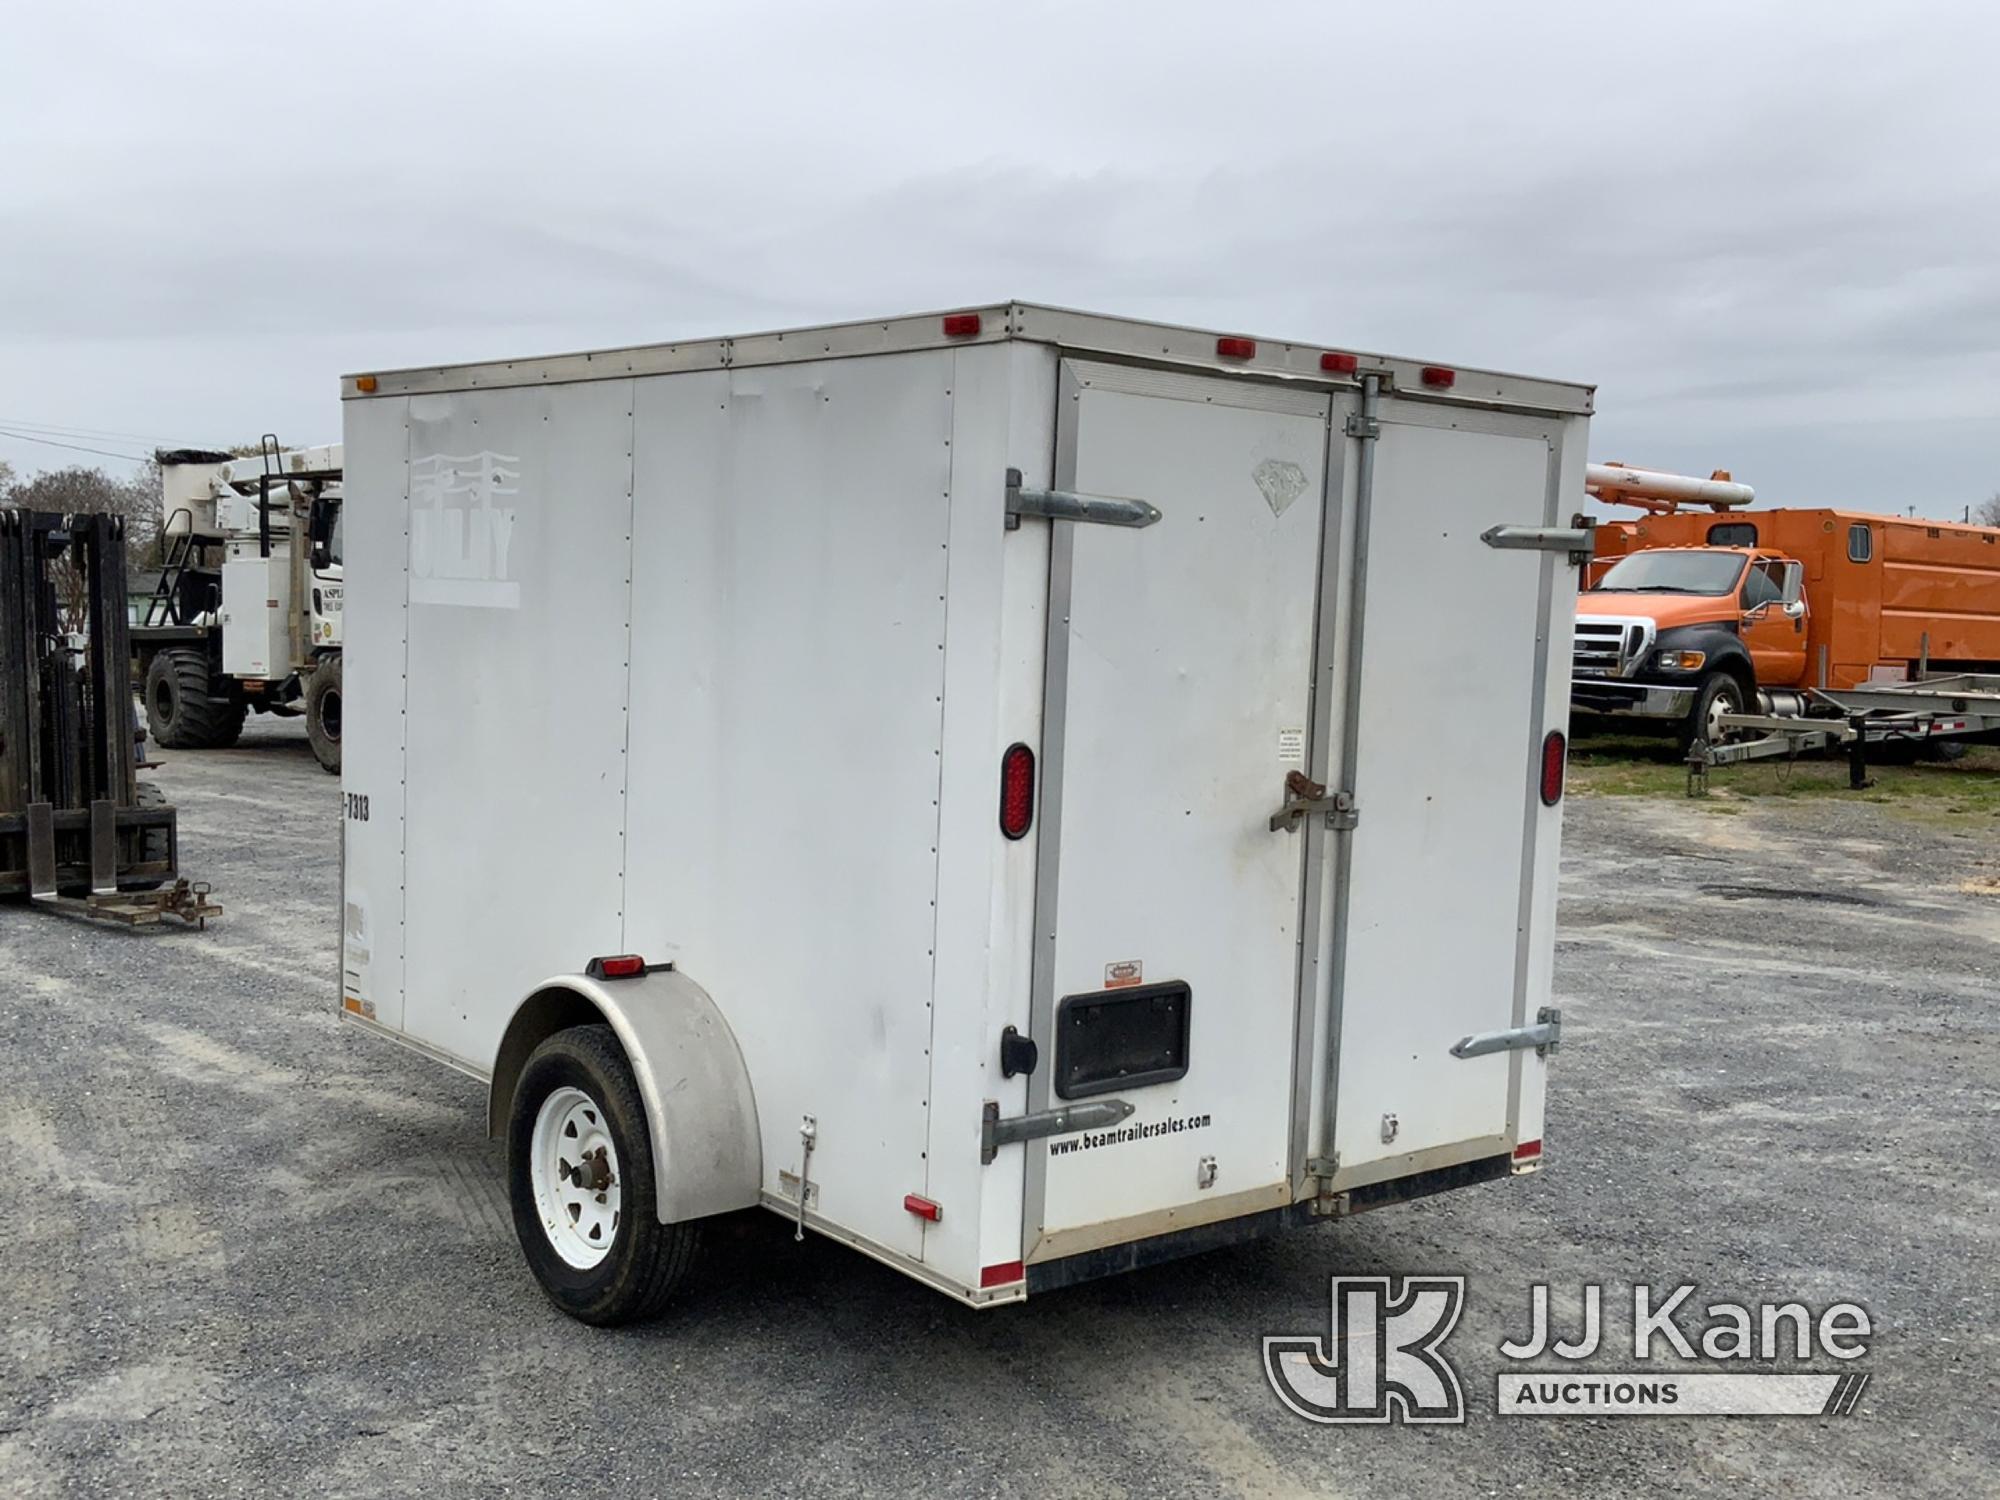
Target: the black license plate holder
(1107, 1040)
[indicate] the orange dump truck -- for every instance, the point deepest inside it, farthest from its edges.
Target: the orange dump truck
(1692, 614)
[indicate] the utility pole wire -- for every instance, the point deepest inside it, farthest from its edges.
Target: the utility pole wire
(29, 437)
(65, 430)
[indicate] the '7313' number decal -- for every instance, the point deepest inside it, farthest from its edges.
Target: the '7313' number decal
(357, 807)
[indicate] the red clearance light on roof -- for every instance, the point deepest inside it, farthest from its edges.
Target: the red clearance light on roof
(961, 325)
(1017, 791)
(1527, 1151)
(1230, 348)
(1555, 755)
(621, 966)
(1340, 364)
(1437, 377)
(1004, 1274)
(922, 1207)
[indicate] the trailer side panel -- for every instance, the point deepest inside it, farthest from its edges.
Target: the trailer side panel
(520, 510)
(378, 554)
(790, 575)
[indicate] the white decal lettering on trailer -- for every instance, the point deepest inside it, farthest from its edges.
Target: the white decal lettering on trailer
(459, 538)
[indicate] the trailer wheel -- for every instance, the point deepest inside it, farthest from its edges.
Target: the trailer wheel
(1720, 694)
(323, 705)
(183, 709)
(580, 1173)
(1943, 752)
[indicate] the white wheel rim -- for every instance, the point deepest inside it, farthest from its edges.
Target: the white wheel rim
(573, 1166)
(1724, 702)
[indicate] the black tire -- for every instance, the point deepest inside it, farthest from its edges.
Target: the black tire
(323, 705)
(155, 844)
(647, 1261)
(1720, 693)
(1943, 752)
(185, 709)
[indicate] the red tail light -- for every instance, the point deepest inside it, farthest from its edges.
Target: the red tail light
(1017, 791)
(620, 966)
(1231, 348)
(961, 325)
(1555, 757)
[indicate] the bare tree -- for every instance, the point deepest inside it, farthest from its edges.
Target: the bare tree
(1987, 511)
(92, 491)
(80, 490)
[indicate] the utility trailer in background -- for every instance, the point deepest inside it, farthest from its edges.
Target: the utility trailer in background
(1937, 716)
(988, 787)
(78, 829)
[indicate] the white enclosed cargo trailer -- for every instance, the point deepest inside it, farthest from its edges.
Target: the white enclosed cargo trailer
(1082, 790)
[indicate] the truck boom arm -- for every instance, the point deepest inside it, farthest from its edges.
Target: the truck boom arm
(1661, 492)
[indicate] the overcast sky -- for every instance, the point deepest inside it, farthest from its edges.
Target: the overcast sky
(1769, 233)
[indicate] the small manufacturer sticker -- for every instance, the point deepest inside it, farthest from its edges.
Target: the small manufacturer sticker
(1292, 746)
(1123, 975)
(1281, 482)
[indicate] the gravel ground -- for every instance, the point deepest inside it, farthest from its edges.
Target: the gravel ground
(249, 1250)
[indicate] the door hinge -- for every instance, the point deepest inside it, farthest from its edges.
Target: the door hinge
(1069, 505)
(995, 1132)
(1545, 1036)
(1580, 542)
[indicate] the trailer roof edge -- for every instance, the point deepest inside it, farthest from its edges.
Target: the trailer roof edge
(1288, 360)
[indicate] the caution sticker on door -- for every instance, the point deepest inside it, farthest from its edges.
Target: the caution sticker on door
(1292, 746)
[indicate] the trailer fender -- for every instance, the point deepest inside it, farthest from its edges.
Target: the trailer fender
(707, 1152)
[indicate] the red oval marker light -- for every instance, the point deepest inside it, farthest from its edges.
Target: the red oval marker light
(1233, 348)
(619, 966)
(1437, 377)
(1340, 364)
(1017, 791)
(961, 325)
(1555, 757)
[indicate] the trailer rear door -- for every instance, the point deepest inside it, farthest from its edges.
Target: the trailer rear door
(1179, 695)
(1454, 696)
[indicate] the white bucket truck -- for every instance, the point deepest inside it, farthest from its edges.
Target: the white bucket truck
(247, 612)
(991, 787)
